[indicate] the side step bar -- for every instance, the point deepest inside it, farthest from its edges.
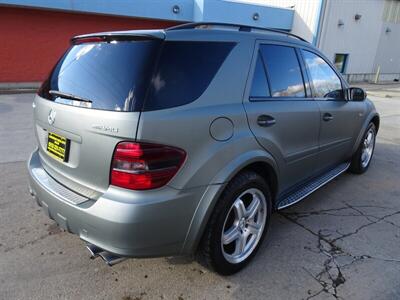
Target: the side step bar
(312, 186)
(109, 258)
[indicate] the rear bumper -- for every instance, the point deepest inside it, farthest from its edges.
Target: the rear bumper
(123, 222)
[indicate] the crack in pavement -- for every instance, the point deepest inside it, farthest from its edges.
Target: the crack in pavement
(51, 230)
(331, 276)
(370, 216)
(377, 220)
(30, 242)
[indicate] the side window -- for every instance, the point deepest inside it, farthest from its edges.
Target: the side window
(259, 86)
(325, 81)
(184, 72)
(283, 71)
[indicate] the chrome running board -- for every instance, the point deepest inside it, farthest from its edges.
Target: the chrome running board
(109, 258)
(312, 186)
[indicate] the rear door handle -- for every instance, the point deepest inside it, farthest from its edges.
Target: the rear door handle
(265, 121)
(327, 117)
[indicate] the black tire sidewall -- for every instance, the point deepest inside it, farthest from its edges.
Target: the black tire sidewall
(356, 164)
(219, 262)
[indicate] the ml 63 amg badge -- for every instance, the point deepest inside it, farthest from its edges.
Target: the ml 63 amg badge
(105, 128)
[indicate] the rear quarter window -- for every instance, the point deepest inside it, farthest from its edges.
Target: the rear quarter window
(259, 87)
(184, 71)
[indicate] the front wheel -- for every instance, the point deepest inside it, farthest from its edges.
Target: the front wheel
(238, 224)
(362, 158)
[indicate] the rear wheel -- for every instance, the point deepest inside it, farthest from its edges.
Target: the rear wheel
(238, 224)
(362, 158)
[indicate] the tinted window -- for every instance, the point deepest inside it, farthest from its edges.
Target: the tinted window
(113, 75)
(283, 70)
(259, 86)
(184, 72)
(325, 81)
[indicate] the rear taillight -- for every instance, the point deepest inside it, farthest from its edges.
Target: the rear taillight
(143, 166)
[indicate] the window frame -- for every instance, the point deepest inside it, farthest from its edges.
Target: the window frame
(343, 83)
(304, 74)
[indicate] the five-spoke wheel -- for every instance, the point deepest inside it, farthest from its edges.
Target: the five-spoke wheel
(362, 157)
(238, 223)
(243, 225)
(368, 147)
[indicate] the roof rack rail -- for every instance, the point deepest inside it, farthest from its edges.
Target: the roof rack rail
(247, 28)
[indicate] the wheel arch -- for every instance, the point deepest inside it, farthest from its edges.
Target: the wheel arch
(266, 171)
(376, 120)
(258, 161)
(372, 118)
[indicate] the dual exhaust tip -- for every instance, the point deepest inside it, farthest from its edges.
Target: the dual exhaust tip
(109, 258)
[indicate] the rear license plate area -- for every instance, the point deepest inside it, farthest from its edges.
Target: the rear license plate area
(58, 146)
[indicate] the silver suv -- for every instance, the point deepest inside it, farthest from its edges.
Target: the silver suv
(185, 140)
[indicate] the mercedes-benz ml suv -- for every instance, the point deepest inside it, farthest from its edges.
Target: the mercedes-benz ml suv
(185, 140)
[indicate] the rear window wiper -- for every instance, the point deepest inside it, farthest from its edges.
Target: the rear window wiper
(69, 96)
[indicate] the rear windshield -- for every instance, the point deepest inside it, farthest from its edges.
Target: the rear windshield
(109, 75)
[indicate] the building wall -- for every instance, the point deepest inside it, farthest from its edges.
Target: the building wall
(358, 38)
(33, 40)
(229, 11)
(240, 12)
(306, 15)
(36, 32)
(388, 52)
(151, 9)
(366, 41)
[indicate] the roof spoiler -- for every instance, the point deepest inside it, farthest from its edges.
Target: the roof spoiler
(134, 35)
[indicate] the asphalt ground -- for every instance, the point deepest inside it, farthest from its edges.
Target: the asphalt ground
(343, 241)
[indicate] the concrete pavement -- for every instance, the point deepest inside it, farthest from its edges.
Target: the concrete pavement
(341, 242)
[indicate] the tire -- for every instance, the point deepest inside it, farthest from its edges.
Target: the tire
(249, 223)
(360, 162)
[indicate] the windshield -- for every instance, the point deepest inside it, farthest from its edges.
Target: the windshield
(105, 75)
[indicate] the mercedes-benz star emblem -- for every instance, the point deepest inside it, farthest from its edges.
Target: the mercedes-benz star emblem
(51, 117)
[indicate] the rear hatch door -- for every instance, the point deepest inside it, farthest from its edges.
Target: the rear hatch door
(90, 102)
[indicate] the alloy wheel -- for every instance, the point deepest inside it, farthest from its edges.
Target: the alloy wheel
(367, 147)
(244, 225)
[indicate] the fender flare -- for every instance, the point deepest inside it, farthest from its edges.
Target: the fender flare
(367, 121)
(211, 195)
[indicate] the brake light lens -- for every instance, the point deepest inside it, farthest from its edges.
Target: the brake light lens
(144, 166)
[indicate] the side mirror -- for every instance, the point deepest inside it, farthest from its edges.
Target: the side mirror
(357, 94)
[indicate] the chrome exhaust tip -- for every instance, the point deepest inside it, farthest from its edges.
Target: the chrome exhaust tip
(94, 250)
(111, 259)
